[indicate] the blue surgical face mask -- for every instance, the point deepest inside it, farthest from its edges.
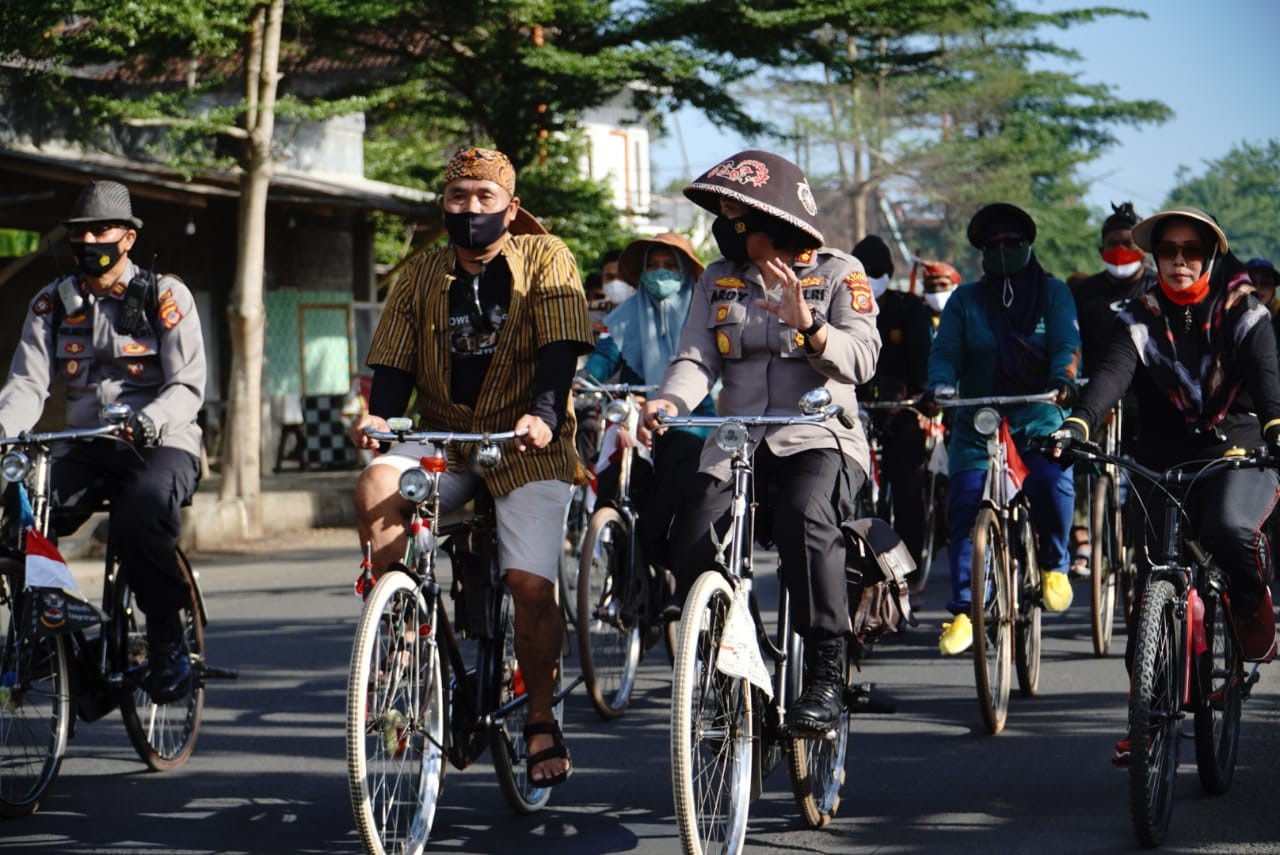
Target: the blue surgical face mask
(661, 284)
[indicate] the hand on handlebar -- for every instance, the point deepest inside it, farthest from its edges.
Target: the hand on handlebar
(932, 401)
(1067, 393)
(357, 433)
(1070, 434)
(649, 424)
(532, 432)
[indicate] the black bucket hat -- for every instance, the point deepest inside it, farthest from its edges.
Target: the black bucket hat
(103, 202)
(1000, 217)
(764, 182)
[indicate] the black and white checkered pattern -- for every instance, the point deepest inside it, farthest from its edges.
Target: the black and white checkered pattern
(326, 444)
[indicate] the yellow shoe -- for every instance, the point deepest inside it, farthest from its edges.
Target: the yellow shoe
(1055, 591)
(957, 636)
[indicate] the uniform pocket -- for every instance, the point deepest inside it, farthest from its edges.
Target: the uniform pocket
(726, 326)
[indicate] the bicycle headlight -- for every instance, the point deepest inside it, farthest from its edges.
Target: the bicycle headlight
(418, 485)
(485, 456)
(14, 466)
(400, 424)
(617, 412)
(986, 421)
(731, 436)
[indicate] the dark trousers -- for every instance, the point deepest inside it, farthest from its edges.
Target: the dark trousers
(902, 460)
(146, 495)
(807, 496)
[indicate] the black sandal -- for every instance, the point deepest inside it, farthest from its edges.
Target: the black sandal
(557, 750)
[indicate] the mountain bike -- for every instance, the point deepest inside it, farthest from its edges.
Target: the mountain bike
(1111, 566)
(412, 701)
(728, 729)
(62, 657)
(619, 595)
(1004, 582)
(1187, 658)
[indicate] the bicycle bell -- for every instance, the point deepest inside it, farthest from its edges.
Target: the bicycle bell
(116, 413)
(815, 401)
(486, 455)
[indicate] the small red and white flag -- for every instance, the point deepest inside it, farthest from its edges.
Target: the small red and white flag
(45, 566)
(1015, 471)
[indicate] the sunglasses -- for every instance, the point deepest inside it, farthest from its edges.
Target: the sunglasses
(1194, 253)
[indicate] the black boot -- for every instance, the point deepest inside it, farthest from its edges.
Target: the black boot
(818, 708)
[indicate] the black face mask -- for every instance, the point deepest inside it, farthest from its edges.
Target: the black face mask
(475, 231)
(731, 236)
(96, 259)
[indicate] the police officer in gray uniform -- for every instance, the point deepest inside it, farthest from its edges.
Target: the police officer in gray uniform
(116, 333)
(778, 315)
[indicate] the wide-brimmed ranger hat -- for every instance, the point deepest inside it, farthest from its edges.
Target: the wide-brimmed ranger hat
(103, 202)
(997, 218)
(1144, 232)
(763, 181)
(631, 262)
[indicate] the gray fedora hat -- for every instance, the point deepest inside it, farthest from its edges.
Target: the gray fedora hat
(103, 202)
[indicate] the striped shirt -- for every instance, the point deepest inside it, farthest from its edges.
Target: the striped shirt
(547, 305)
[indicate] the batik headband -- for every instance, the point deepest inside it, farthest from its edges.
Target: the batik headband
(483, 164)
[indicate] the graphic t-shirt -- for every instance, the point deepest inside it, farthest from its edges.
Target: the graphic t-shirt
(478, 306)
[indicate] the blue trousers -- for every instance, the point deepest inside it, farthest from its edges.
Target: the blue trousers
(1052, 493)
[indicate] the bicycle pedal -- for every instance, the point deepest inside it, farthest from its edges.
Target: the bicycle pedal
(859, 700)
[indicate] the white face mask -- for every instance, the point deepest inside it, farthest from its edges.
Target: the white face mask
(618, 291)
(879, 285)
(937, 300)
(1123, 271)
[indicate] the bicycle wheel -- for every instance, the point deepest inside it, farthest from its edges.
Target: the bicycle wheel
(609, 633)
(1220, 674)
(931, 523)
(395, 719)
(35, 704)
(164, 735)
(711, 730)
(1106, 554)
(1026, 576)
(575, 526)
(506, 736)
(816, 765)
(989, 611)
(1154, 713)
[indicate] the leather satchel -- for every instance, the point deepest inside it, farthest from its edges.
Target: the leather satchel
(877, 564)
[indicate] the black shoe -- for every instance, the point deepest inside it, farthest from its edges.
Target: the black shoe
(819, 706)
(169, 676)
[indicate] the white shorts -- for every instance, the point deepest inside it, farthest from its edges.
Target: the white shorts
(530, 518)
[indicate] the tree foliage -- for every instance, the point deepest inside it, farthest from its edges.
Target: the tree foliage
(1241, 189)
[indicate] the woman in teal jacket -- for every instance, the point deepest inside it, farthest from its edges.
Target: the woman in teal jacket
(1012, 332)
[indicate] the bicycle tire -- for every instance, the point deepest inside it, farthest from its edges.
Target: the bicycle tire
(35, 705)
(506, 736)
(163, 735)
(1105, 554)
(817, 766)
(711, 730)
(1027, 638)
(989, 612)
(609, 634)
(1220, 672)
(575, 527)
(395, 746)
(930, 530)
(1154, 714)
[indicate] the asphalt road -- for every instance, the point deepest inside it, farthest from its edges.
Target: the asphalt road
(269, 774)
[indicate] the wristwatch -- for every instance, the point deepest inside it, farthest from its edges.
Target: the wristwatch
(819, 321)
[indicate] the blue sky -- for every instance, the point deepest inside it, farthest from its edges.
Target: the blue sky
(1215, 63)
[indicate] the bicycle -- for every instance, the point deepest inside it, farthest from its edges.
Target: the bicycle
(1111, 567)
(728, 730)
(880, 503)
(1187, 658)
(1004, 583)
(61, 657)
(412, 702)
(587, 403)
(619, 595)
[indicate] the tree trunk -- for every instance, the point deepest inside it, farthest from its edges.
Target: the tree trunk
(242, 457)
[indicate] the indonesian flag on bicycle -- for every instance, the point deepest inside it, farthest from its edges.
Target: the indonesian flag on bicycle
(45, 566)
(1015, 471)
(611, 444)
